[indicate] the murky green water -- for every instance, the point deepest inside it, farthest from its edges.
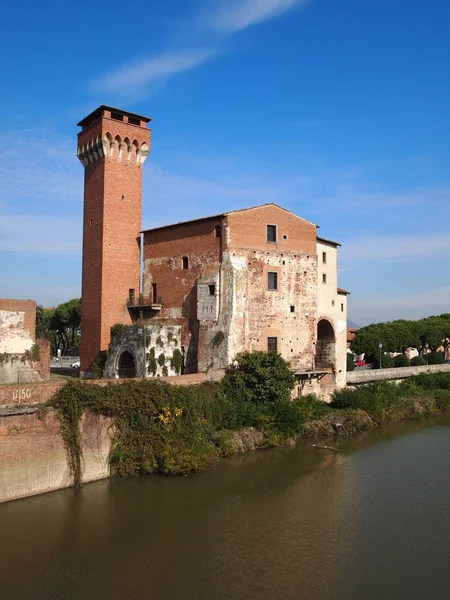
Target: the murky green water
(369, 522)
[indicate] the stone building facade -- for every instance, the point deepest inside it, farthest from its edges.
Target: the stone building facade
(252, 279)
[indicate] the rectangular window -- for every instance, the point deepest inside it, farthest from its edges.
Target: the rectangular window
(131, 297)
(272, 281)
(134, 121)
(154, 294)
(324, 258)
(332, 303)
(271, 233)
(272, 344)
(324, 277)
(212, 290)
(292, 308)
(116, 116)
(342, 308)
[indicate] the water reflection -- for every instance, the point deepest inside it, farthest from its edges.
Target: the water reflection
(368, 522)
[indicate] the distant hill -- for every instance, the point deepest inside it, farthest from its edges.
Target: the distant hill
(351, 324)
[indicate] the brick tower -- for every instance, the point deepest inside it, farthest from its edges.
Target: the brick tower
(112, 146)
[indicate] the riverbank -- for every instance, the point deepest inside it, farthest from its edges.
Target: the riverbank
(158, 428)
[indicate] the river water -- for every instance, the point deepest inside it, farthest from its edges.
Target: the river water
(371, 521)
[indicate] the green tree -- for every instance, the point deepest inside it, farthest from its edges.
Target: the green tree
(63, 325)
(350, 362)
(258, 377)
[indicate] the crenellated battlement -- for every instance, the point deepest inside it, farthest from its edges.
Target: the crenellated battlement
(112, 147)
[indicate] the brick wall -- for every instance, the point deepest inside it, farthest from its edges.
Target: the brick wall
(111, 229)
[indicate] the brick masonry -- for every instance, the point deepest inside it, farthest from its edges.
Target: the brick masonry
(112, 152)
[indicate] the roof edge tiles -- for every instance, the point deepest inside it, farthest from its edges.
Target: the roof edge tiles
(224, 214)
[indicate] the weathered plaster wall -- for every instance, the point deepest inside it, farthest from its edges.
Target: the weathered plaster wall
(17, 325)
(33, 457)
(148, 344)
(368, 375)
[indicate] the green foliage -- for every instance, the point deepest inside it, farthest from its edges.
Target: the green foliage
(176, 362)
(62, 324)
(350, 362)
(98, 366)
(118, 329)
(151, 361)
(398, 335)
(258, 377)
(418, 361)
(310, 407)
(435, 358)
(159, 342)
(400, 361)
(386, 361)
(32, 355)
(161, 360)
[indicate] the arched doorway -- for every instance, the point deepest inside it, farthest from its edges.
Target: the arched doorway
(126, 367)
(326, 345)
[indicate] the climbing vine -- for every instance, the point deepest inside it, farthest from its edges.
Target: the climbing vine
(176, 362)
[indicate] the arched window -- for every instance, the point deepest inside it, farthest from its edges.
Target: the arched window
(185, 262)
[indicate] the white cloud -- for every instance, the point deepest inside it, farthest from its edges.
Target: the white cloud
(139, 73)
(226, 18)
(236, 15)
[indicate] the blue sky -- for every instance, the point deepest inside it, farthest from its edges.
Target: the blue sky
(337, 110)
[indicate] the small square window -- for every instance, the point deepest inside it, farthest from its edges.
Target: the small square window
(284, 236)
(292, 308)
(324, 258)
(332, 303)
(324, 277)
(272, 344)
(212, 289)
(271, 233)
(272, 281)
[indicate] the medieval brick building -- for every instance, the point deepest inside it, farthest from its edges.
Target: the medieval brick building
(258, 278)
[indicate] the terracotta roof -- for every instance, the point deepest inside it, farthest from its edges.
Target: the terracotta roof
(341, 291)
(224, 214)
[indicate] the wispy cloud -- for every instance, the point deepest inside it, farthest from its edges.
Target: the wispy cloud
(232, 16)
(141, 72)
(226, 18)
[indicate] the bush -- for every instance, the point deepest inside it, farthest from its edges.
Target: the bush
(386, 362)
(258, 377)
(418, 361)
(350, 362)
(435, 358)
(401, 361)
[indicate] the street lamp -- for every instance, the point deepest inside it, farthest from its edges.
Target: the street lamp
(380, 345)
(426, 350)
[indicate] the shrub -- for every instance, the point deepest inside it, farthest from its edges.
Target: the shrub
(350, 362)
(435, 358)
(258, 377)
(386, 362)
(401, 361)
(418, 361)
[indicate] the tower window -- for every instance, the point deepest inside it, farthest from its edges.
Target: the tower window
(116, 116)
(134, 121)
(123, 197)
(185, 262)
(342, 308)
(284, 236)
(332, 303)
(212, 289)
(324, 277)
(272, 281)
(217, 231)
(90, 222)
(292, 308)
(271, 233)
(131, 297)
(324, 258)
(272, 344)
